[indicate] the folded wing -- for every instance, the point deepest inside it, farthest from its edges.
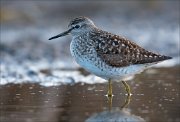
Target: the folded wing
(118, 51)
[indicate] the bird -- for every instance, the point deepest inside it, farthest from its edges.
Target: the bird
(109, 56)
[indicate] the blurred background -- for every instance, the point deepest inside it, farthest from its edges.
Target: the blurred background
(41, 82)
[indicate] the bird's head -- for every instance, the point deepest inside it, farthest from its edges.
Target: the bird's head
(77, 26)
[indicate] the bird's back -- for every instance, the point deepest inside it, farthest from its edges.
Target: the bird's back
(118, 51)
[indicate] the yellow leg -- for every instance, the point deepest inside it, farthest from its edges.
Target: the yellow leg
(128, 90)
(109, 88)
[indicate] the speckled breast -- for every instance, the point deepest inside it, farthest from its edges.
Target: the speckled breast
(85, 55)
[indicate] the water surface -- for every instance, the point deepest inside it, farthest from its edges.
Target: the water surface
(155, 99)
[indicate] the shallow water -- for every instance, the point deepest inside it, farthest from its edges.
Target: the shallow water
(155, 99)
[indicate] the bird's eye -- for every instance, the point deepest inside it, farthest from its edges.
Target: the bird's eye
(77, 26)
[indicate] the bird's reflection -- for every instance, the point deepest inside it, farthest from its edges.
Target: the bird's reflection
(126, 103)
(121, 114)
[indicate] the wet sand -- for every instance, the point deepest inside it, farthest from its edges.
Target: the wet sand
(155, 99)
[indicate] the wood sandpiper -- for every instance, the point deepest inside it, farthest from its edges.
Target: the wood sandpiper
(107, 55)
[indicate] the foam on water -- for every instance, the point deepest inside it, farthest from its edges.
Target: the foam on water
(31, 72)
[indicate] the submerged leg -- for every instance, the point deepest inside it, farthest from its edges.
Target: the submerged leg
(128, 90)
(109, 88)
(110, 102)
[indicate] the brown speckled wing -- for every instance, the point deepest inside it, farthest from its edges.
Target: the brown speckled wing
(118, 51)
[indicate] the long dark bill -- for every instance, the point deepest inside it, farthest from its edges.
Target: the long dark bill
(61, 34)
